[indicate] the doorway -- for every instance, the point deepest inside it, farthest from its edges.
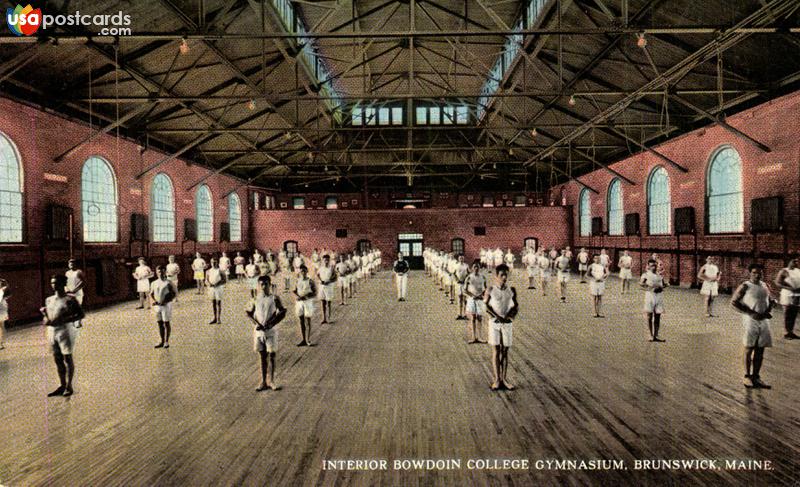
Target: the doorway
(410, 245)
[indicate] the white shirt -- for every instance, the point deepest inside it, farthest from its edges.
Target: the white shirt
(159, 289)
(597, 271)
(562, 263)
(264, 308)
(476, 284)
(756, 296)
(198, 264)
(501, 300)
(250, 270)
(73, 279)
(325, 273)
(143, 272)
(214, 276)
(711, 271)
(224, 263)
(303, 287)
(173, 270)
(56, 306)
(625, 261)
(652, 280)
(583, 257)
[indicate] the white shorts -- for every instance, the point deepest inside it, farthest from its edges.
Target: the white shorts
(709, 288)
(476, 306)
(544, 273)
(172, 279)
(79, 295)
(563, 276)
(789, 298)
(459, 289)
(653, 302)
(342, 281)
(143, 286)
(216, 292)
(304, 308)
(253, 282)
(327, 292)
(625, 274)
(239, 269)
(446, 279)
(756, 333)
(583, 267)
(265, 341)
(597, 288)
(199, 275)
(62, 337)
(498, 331)
(163, 312)
(533, 271)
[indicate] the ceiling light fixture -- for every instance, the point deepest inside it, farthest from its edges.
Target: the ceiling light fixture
(572, 100)
(251, 105)
(534, 133)
(641, 41)
(184, 47)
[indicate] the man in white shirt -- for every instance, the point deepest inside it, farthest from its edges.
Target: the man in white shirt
(162, 293)
(251, 272)
(625, 274)
(199, 269)
(583, 263)
(327, 287)
(5, 292)
(653, 284)
(474, 287)
(709, 274)
(461, 272)
(502, 307)
(304, 291)
(752, 299)
(173, 273)
(215, 279)
(341, 272)
(788, 281)
(225, 265)
(598, 273)
(61, 311)
(142, 274)
(75, 284)
(266, 311)
(544, 264)
(562, 275)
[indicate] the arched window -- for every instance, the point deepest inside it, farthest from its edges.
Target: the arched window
(724, 205)
(162, 209)
(616, 214)
(290, 246)
(98, 201)
(531, 243)
(204, 211)
(11, 185)
(585, 212)
(659, 207)
(235, 217)
(457, 246)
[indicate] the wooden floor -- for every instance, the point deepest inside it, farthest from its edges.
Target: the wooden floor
(393, 380)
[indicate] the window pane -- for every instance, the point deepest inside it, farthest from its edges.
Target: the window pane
(422, 115)
(98, 201)
(358, 117)
(370, 115)
(448, 115)
(435, 115)
(162, 209)
(397, 116)
(204, 212)
(462, 114)
(586, 214)
(615, 212)
(235, 217)
(725, 206)
(331, 203)
(658, 203)
(10, 193)
(298, 203)
(383, 116)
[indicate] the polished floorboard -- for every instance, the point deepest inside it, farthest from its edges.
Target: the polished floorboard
(395, 380)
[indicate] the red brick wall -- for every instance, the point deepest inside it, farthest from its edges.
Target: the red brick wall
(40, 137)
(505, 227)
(777, 173)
